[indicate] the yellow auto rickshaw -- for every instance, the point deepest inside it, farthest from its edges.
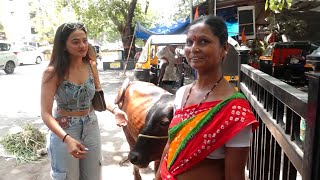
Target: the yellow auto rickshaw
(146, 68)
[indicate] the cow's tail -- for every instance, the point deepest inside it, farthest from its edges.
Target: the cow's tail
(121, 92)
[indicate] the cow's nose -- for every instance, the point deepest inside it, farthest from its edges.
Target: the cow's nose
(134, 157)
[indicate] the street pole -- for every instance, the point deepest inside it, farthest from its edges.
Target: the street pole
(133, 37)
(191, 13)
(215, 8)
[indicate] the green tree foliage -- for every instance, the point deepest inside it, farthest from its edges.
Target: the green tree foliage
(2, 33)
(183, 8)
(44, 18)
(277, 5)
(1, 27)
(109, 20)
(287, 22)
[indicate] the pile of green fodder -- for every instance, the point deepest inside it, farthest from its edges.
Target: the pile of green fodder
(24, 145)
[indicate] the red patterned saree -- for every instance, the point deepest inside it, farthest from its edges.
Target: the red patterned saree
(194, 135)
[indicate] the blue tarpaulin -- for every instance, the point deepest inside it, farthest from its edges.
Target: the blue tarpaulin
(177, 27)
(233, 28)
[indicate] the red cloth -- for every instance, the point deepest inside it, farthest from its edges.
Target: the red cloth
(233, 116)
(196, 14)
(243, 37)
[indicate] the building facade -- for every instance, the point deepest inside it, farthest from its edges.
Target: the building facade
(15, 19)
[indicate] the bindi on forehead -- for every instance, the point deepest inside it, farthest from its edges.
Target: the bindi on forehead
(194, 38)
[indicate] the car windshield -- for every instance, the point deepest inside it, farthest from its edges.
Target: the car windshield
(4, 47)
(156, 42)
(144, 53)
(23, 48)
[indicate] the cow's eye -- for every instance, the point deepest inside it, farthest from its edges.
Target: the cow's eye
(164, 123)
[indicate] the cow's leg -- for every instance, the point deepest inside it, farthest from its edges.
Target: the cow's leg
(156, 166)
(131, 143)
(129, 138)
(136, 173)
(121, 163)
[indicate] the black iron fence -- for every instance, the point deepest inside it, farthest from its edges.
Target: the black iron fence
(287, 142)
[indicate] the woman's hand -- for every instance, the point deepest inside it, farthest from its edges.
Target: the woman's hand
(121, 117)
(75, 148)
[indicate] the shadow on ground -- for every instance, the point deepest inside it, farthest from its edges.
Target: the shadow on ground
(114, 146)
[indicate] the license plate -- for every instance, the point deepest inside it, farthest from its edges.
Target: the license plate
(115, 65)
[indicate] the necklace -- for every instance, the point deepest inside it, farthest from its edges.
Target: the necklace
(203, 99)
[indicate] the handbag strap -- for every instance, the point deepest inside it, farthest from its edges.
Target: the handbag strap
(94, 70)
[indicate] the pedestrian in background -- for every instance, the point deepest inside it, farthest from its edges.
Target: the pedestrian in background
(74, 146)
(168, 70)
(209, 135)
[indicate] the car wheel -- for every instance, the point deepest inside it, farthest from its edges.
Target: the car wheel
(38, 60)
(9, 68)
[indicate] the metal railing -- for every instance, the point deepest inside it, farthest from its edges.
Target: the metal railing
(282, 147)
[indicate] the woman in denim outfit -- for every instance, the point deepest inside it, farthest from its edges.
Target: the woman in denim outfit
(74, 146)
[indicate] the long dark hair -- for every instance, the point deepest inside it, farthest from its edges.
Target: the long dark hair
(60, 57)
(217, 26)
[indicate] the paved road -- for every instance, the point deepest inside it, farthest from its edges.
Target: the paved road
(20, 96)
(19, 104)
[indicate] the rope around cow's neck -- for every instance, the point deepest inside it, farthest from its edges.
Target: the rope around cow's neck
(153, 137)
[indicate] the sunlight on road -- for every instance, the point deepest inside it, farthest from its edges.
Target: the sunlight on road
(20, 104)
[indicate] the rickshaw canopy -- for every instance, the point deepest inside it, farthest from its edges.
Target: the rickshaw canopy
(163, 40)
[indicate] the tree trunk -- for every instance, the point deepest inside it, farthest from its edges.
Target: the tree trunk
(128, 32)
(147, 6)
(128, 45)
(210, 7)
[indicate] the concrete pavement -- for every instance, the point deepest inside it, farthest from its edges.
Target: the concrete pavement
(25, 83)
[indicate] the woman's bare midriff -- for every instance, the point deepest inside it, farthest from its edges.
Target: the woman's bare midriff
(207, 169)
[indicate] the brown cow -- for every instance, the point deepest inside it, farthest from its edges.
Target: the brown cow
(149, 108)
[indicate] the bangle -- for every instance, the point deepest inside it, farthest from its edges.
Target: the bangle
(64, 138)
(113, 109)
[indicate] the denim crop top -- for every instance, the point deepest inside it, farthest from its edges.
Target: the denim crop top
(74, 97)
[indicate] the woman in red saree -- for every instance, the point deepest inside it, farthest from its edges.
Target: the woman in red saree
(209, 136)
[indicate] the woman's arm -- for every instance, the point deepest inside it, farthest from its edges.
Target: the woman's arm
(48, 90)
(120, 116)
(235, 162)
(163, 67)
(165, 150)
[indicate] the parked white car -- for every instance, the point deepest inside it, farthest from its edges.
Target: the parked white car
(8, 59)
(28, 54)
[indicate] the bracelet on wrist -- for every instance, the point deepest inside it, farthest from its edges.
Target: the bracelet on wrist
(64, 137)
(114, 109)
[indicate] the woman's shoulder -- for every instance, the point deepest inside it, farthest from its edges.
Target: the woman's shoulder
(182, 89)
(48, 73)
(49, 69)
(179, 96)
(225, 91)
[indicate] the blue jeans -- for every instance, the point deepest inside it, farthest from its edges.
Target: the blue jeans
(84, 129)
